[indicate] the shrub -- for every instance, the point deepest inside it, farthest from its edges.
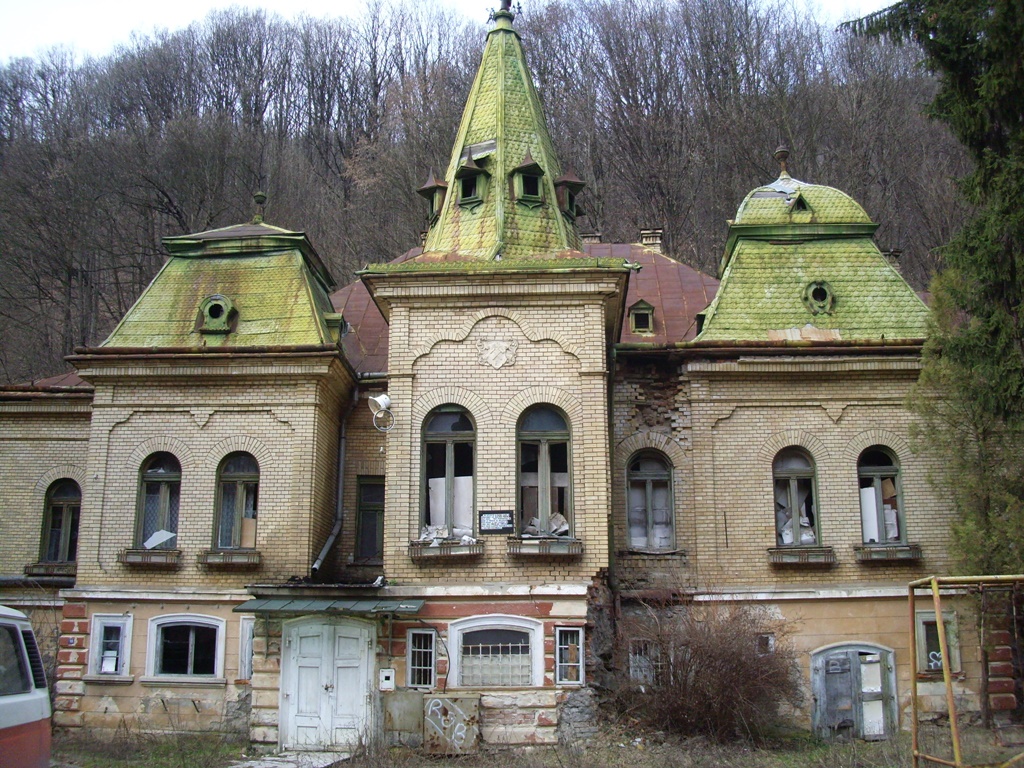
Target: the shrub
(723, 671)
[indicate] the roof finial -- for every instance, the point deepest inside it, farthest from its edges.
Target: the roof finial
(260, 198)
(782, 154)
(505, 10)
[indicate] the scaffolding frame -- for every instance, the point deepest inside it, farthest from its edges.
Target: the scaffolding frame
(935, 584)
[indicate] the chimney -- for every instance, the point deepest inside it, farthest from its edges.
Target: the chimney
(591, 238)
(651, 238)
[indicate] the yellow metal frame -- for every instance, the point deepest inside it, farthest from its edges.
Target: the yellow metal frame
(935, 584)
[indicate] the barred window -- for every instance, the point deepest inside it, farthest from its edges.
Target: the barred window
(421, 658)
(499, 657)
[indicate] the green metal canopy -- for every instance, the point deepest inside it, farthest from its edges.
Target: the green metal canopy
(323, 605)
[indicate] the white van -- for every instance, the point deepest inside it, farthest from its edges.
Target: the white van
(24, 697)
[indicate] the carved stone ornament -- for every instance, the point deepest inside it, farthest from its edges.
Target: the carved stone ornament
(497, 352)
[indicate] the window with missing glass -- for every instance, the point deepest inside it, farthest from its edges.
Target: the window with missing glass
(448, 459)
(796, 513)
(238, 499)
(545, 489)
(651, 524)
(159, 495)
(880, 508)
(929, 647)
(188, 645)
(60, 526)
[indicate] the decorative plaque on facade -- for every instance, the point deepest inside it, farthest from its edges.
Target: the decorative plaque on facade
(497, 352)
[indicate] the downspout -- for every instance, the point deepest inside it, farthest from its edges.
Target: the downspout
(338, 508)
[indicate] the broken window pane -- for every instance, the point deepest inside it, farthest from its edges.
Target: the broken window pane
(449, 467)
(879, 497)
(796, 519)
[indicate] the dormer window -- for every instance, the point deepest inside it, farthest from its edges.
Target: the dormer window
(641, 318)
(531, 185)
(819, 298)
(526, 182)
(472, 180)
(216, 314)
(567, 187)
(434, 191)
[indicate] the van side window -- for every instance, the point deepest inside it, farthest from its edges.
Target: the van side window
(14, 676)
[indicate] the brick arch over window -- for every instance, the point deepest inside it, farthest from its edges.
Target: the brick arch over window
(59, 472)
(895, 443)
(460, 396)
(166, 444)
(648, 441)
(243, 443)
(516, 317)
(547, 395)
(793, 438)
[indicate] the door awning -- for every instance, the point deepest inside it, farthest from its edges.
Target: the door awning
(322, 605)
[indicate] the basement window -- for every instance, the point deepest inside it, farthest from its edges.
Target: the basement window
(929, 650)
(498, 651)
(186, 645)
(569, 656)
(420, 660)
(110, 644)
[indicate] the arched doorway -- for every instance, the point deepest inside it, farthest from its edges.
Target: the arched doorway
(854, 686)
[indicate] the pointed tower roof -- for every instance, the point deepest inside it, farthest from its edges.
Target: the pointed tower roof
(489, 212)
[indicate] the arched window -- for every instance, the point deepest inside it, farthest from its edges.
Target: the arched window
(880, 509)
(238, 482)
(545, 491)
(159, 492)
(60, 531)
(796, 513)
(649, 476)
(496, 651)
(448, 436)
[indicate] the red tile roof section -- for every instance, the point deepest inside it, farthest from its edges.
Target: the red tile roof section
(677, 293)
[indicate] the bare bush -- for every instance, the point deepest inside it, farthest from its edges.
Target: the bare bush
(723, 671)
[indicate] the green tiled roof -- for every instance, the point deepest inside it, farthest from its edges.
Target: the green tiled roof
(273, 278)
(779, 260)
(790, 201)
(502, 126)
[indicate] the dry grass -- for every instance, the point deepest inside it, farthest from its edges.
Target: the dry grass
(615, 747)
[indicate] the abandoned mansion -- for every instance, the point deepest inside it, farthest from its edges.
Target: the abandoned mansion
(276, 507)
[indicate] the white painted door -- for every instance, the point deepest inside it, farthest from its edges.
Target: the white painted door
(324, 684)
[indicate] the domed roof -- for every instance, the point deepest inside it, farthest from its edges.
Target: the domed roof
(790, 201)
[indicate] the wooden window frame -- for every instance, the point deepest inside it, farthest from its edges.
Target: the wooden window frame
(240, 481)
(70, 509)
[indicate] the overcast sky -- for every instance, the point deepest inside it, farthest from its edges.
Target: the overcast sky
(94, 27)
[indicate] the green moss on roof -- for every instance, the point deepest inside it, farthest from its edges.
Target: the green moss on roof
(279, 297)
(502, 124)
(762, 293)
(790, 201)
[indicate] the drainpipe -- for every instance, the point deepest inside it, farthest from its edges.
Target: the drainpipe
(338, 509)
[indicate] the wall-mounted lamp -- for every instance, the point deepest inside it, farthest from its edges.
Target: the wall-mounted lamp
(383, 419)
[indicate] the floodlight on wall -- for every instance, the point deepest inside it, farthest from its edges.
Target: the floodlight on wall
(383, 419)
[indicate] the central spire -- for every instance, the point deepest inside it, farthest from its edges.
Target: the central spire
(504, 195)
